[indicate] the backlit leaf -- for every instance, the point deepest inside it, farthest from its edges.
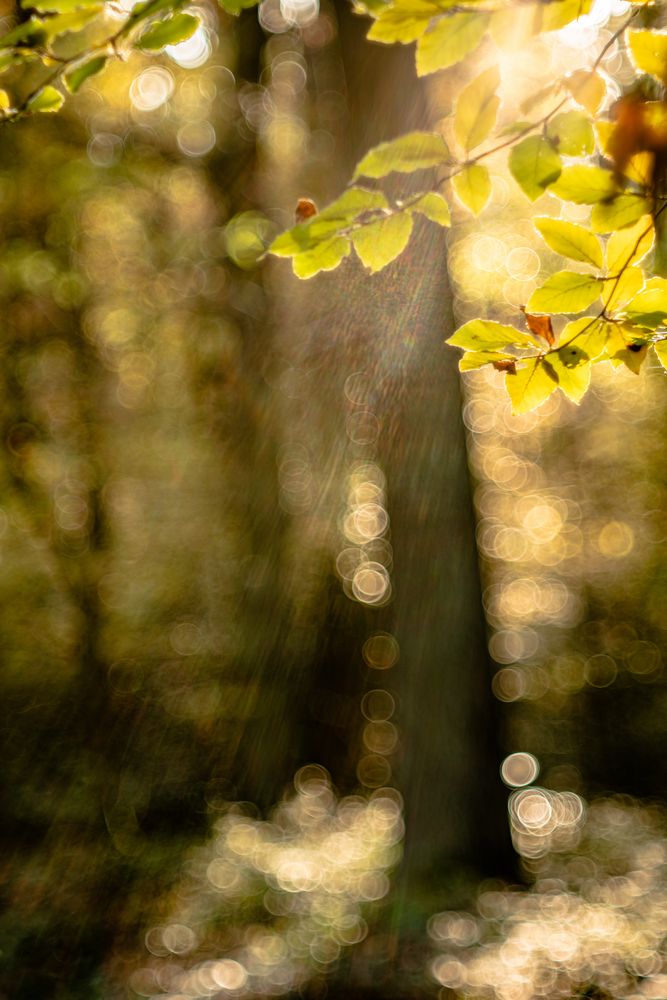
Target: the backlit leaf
(71, 21)
(476, 359)
(570, 240)
(661, 352)
(30, 32)
(558, 13)
(587, 88)
(648, 308)
(534, 164)
(649, 52)
(76, 77)
(48, 99)
(565, 292)
(477, 109)
(413, 151)
(235, 7)
(449, 41)
(175, 29)
(487, 335)
(404, 21)
(621, 211)
(619, 292)
(324, 257)
(630, 245)
(434, 207)
(584, 185)
(625, 348)
(381, 242)
(589, 333)
(541, 326)
(530, 386)
(572, 367)
(473, 187)
(354, 203)
(60, 6)
(572, 133)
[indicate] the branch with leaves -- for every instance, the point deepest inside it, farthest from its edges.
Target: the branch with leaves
(71, 41)
(614, 165)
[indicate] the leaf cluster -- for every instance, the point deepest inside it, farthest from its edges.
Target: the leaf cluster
(614, 307)
(63, 43)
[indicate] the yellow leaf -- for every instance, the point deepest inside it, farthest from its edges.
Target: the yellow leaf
(587, 88)
(661, 351)
(473, 187)
(530, 387)
(621, 290)
(572, 367)
(381, 242)
(627, 246)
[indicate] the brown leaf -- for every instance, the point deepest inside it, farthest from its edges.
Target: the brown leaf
(541, 326)
(305, 209)
(505, 366)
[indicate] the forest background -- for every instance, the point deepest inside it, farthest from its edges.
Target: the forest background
(251, 531)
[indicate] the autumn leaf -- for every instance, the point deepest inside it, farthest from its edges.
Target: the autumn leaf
(540, 325)
(305, 209)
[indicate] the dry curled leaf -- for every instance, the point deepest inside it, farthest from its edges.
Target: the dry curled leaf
(305, 209)
(505, 366)
(541, 326)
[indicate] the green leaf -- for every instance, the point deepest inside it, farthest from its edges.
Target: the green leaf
(572, 134)
(649, 52)
(648, 308)
(413, 151)
(530, 386)
(584, 185)
(570, 240)
(75, 79)
(487, 335)
(235, 7)
(169, 32)
(31, 32)
(449, 41)
(588, 332)
(142, 11)
(378, 243)
(351, 203)
(472, 360)
(340, 214)
(60, 6)
(477, 109)
(72, 21)
(325, 256)
(473, 187)
(535, 165)
(434, 207)
(47, 99)
(622, 211)
(661, 351)
(587, 88)
(565, 292)
(403, 21)
(572, 368)
(630, 245)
